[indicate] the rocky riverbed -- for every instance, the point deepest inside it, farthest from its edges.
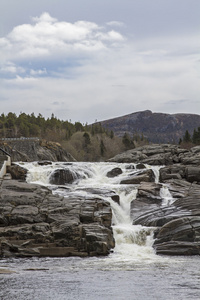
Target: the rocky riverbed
(178, 221)
(36, 222)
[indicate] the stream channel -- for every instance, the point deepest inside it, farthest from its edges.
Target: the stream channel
(131, 272)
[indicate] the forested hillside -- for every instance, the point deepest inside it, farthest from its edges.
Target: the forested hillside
(84, 142)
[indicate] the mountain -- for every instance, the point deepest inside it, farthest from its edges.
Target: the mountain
(156, 127)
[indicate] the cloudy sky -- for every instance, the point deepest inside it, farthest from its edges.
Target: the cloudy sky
(94, 60)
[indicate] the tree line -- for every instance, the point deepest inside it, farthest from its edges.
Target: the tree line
(84, 142)
(191, 138)
(13, 126)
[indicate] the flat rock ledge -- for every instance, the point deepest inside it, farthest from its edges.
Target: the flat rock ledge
(34, 222)
(177, 224)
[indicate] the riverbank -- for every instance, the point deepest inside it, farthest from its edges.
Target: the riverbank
(34, 222)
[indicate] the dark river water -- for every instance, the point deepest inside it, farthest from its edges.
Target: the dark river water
(132, 271)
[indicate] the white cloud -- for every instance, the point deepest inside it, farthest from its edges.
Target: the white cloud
(45, 17)
(110, 36)
(47, 36)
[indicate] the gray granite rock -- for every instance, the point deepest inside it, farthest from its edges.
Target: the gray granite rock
(178, 224)
(34, 222)
(147, 198)
(146, 175)
(179, 237)
(164, 154)
(114, 172)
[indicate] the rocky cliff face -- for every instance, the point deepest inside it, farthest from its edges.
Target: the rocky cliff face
(156, 127)
(35, 150)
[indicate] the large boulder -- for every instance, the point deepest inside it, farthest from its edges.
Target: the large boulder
(17, 172)
(179, 237)
(193, 174)
(34, 222)
(147, 198)
(63, 176)
(146, 176)
(114, 172)
(176, 171)
(190, 173)
(130, 156)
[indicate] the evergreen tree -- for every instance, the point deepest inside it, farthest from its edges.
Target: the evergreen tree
(111, 134)
(87, 140)
(187, 137)
(78, 126)
(196, 136)
(102, 148)
(126, 140)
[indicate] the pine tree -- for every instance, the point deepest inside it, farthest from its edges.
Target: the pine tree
(102, 148)
(187, 137)
(87, 140)
(126, 140)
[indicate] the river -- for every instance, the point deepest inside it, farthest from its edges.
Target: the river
(132, 271)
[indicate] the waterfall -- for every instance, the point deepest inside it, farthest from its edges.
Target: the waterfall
(166, 196)
(132, 241)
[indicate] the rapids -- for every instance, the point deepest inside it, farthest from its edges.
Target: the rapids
(133, 242)
(131, 272)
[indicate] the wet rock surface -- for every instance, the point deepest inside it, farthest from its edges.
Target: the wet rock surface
(63, 176)
(177, 221)
(147, 198)
(34, 222)
(114, 172)
(140, 176)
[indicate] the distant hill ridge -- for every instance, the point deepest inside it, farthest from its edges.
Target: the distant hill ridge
(156, 127)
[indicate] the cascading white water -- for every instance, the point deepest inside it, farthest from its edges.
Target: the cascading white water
(166, 196)
(132, 242)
